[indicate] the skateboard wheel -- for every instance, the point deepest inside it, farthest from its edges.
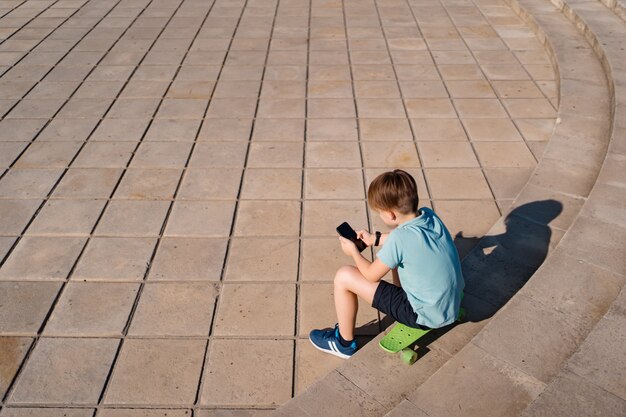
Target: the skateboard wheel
(409, 356)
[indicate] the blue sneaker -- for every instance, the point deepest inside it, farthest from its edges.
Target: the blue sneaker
(328, 341)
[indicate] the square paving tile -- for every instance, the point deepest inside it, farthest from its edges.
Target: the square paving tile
(173, 130)
(504, 154)
(200, 219)
(253, 309)
(29, 183)
(60, 130)
(232, 107)
(380, 108)
(15, 349)
(105, 155)
(379, 72)
(321, 218)
(277, 262)
(122, 130)
(222, 129)
(143, 412)
(148, 184)
(15, 215)
(506, 183)
(385, 129)
(107, 258)
(87, 183)
(161, 155)
(455, 216)
(174, 309)
(276, 129)
(333, 184)
(48, 155)
(179, 259)
(438, 130)
(332, 130)
(470, 89)
(235, 378)
(132, 218)
(268, 218)
(24, 305)
(131, 108)
(311, 365)
(210, 184)
(237, 89)
(430, 108)
(530, 108)
(390, 155)
(453, 183)
(517, 89)
(42, 258)
(283, 88)
(285, 184)
(21, 130)
(65, 371)
(218, 155)
(157, 371)
(332, 155)
(376, 89)
(92, 309)
(317, 310)
(491, 130)
(475, 108)
(327, 108)
(275, 155)
(329, 89)
(66, 217)
(447, 154)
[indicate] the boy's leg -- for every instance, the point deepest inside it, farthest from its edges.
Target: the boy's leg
(350, 283)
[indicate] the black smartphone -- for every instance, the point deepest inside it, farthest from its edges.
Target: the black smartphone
(348, 232)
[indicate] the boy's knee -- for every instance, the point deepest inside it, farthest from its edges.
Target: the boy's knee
(344, 274)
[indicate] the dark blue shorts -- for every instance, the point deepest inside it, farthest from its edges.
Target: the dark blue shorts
(392, 301)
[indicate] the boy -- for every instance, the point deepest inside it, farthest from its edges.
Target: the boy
(427, 279)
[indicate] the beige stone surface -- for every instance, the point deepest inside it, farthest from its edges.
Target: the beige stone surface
(42, 258)
(14, 350)
(24, 305)
(230, 381)
(156, 371)
(65, 371)
(262, 259)
(226, 214)
(174, 309)
(188, 259)
(263, 309)
(92, 309)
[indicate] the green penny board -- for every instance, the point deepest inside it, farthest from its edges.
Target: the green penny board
(401, 337)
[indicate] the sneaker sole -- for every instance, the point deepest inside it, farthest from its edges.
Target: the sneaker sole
(332, 352)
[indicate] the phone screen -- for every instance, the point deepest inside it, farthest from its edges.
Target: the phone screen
(348, 232)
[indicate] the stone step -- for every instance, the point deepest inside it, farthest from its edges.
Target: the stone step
(499, 365)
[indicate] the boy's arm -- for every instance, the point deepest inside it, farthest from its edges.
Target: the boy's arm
(372, 271)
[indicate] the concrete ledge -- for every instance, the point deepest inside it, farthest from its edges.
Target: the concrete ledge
(500, 365)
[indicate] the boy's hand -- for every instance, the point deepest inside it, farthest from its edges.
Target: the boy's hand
(348, 247)
(366, 237)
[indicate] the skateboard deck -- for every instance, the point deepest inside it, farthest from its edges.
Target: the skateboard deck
(401, 337)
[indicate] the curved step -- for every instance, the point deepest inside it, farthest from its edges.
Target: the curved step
(573, 365)
(524, 346)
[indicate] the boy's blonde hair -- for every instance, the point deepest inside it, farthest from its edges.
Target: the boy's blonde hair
(393, 190)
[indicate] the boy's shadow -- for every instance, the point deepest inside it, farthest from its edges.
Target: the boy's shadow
(498, 266)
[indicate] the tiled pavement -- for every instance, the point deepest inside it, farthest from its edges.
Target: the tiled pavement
(172, 173)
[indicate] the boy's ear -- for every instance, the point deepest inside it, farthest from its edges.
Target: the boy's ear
(392, 215)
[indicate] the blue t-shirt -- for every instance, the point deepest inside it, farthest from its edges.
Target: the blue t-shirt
(428, 266)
